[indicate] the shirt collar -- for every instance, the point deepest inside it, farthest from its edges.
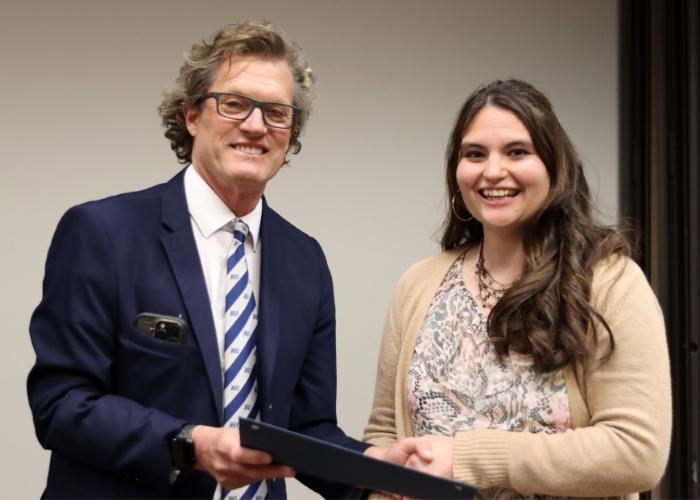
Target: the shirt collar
(210, 213)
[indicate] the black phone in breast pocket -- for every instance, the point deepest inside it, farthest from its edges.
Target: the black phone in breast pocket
(161, 326)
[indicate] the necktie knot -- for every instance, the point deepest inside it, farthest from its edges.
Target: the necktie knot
(239, 229)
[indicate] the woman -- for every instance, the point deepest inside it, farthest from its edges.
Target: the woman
(530, 355)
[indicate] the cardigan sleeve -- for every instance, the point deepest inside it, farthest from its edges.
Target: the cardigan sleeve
(625, 446)
(381, 427)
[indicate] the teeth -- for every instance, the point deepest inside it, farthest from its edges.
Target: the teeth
(253, 150)
(498, 193)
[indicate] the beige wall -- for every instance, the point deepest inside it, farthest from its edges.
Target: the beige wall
(81, 81)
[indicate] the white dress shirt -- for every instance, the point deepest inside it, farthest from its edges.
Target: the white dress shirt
(208, 215)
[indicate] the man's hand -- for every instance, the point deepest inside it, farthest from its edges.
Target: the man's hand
(219, 452)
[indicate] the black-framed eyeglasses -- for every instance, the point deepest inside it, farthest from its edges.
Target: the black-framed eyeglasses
(239, 107)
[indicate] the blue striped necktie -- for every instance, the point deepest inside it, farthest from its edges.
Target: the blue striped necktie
(240, 322)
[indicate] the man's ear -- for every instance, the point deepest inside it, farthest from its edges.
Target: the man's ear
(191, 114)
(294, 145)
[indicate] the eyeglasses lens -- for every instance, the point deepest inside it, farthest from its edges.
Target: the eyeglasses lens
(240, 107)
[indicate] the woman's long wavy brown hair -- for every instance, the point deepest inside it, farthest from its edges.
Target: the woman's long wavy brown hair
(547, 313)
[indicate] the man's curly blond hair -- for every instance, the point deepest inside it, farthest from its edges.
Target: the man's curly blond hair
(256, 38)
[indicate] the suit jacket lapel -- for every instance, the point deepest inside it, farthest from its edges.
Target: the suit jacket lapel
(270, 306)
(181, 249)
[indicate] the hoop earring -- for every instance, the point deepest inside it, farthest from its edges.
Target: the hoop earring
(454, 210)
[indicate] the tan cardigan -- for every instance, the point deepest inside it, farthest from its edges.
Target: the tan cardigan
(620, 409)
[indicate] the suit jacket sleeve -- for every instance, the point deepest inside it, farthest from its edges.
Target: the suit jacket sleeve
(313, 410)
(73, 331)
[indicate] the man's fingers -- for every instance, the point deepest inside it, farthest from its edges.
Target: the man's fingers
(251, 457)
(241, 475)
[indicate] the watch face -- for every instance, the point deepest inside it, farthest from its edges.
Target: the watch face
(182, 449)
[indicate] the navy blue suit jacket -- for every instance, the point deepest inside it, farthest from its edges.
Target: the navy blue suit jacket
(107, 399)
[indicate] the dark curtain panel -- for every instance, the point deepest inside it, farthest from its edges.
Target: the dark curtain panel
(660, 193)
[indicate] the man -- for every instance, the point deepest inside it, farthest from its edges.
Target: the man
(135, 408)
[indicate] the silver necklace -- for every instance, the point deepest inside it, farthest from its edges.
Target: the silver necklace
(490, 289)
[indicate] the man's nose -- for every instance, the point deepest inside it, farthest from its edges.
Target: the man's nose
(255, 122)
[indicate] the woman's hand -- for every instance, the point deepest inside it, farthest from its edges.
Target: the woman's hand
(430, 454)
(400, 453)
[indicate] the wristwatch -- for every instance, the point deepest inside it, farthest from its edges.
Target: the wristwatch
(182, 449)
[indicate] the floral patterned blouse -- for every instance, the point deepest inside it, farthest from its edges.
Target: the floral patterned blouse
(456, 383)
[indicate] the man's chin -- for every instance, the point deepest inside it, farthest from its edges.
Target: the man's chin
(254, 172)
